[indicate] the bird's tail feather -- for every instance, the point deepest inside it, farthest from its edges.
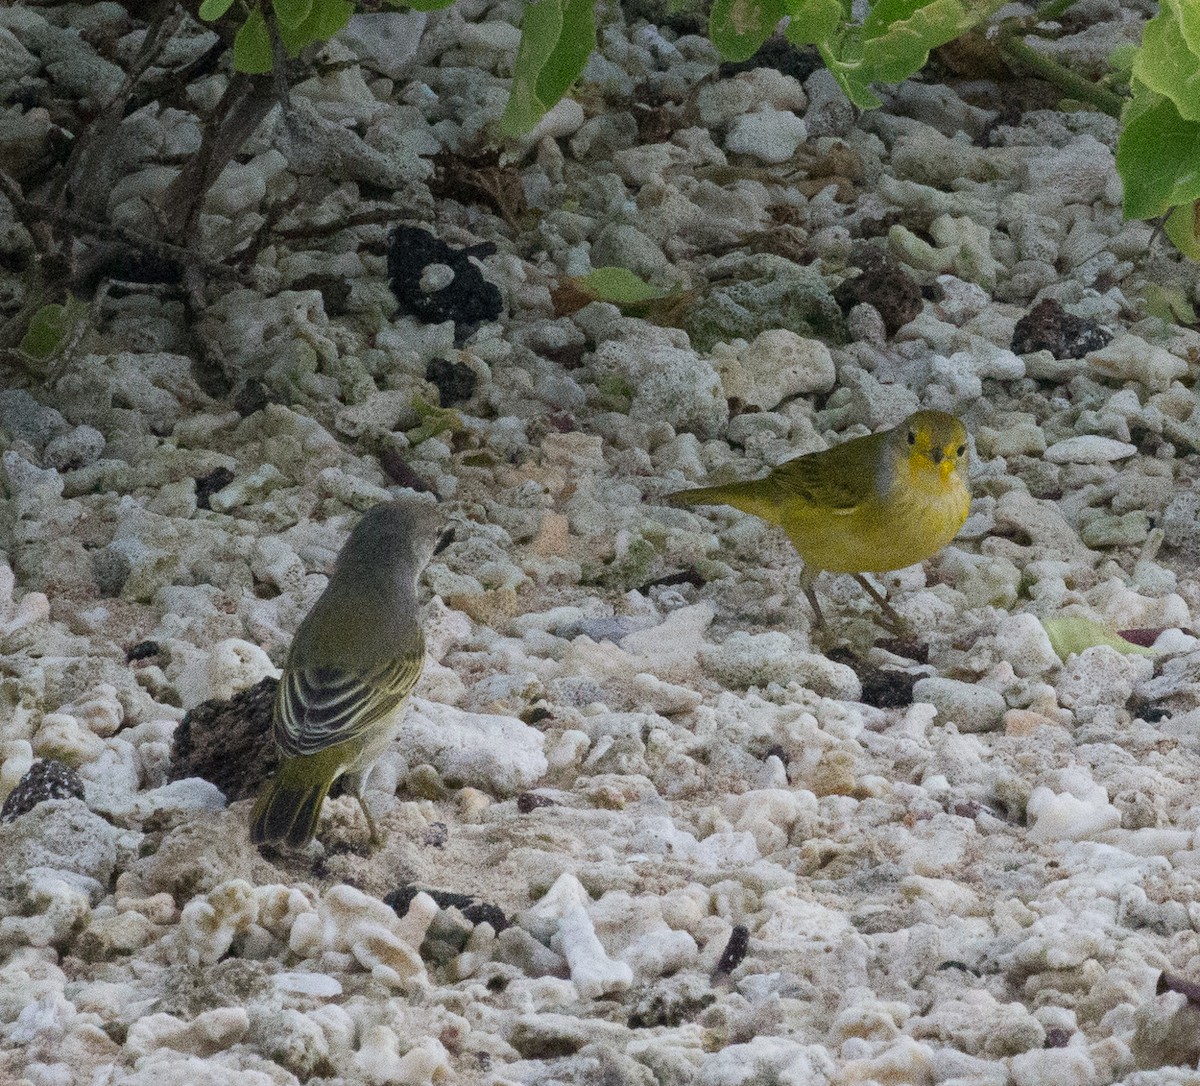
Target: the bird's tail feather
(759, 497)
(287, 810)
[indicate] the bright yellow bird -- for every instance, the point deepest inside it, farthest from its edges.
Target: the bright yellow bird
(869, 505)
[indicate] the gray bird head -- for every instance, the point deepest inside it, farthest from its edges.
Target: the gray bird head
(400, 535)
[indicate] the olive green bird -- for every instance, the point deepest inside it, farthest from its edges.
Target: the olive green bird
(869, 505)
(349, 670)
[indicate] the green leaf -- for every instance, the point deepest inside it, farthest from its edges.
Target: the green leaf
(619, 286)
(47, 329)
(434, 421)
(892, 43)
(1168, 304)
(1072, 635)
(884, 14)
(903, 48)
(557, 37)
(252, 46)
(1183, 228)
(850, 71)
(1188, 14)
(541, 27)
(571, 51)
(421, 5)
(291, 13)
(738, 28)
(631, 294)
(1157, 153)
(214, 9)
(1120, 60)
(326, 18)
(823, 23)
(1166, 64)
(813, 22)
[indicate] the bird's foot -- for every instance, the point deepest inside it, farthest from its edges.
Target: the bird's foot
(889, 618)
(375, 838)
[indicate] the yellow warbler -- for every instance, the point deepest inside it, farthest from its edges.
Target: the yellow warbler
(354, 659)
(873, 504)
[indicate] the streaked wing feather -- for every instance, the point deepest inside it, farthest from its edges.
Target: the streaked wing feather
(837, 483)
(318, 707)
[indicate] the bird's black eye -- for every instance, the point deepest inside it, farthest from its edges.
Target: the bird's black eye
(960, 450)
(912, 438)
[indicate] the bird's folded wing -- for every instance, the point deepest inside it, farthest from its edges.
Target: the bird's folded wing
(838, 484)
(318, 707)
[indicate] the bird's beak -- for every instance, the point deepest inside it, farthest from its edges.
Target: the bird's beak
(446, 538)
(937, 455)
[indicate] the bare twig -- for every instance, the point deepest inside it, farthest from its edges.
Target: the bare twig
(247, 100)
(1016, 51)
(1019, 54)
(87, 176)
(82, 224)
(373, 217)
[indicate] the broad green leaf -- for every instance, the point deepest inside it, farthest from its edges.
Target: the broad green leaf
(1168, 304)
(1071, 635)
(813, 22)
(855, 80)
(326, 18)
(618, 285)
(631, 294)
(904, 48)
(47, 329)
(822, 23)
(846, 65)
(1167, 65)
(541, 27)
(884, 13)
(1188, 14)
(214, 9)
(557, 37)
(252, 46)
(291, 13)
(1183, 228)
(738, 28)
(570, 55)
(1158, 156)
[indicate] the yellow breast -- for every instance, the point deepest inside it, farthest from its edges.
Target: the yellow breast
(915, 520)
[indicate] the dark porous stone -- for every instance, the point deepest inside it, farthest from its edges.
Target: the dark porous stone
(455, 381)
(228, 742)
(473, 910)
(143, 650)
(208, 485)
(735, 950)
(1049, 327)
(798, 61)
(883, 284)
(468, 299)
(396, 468)
(884, 688)
(251, 396)
(887, 689)
(334, 290)
(45, 779)
(529, 801)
